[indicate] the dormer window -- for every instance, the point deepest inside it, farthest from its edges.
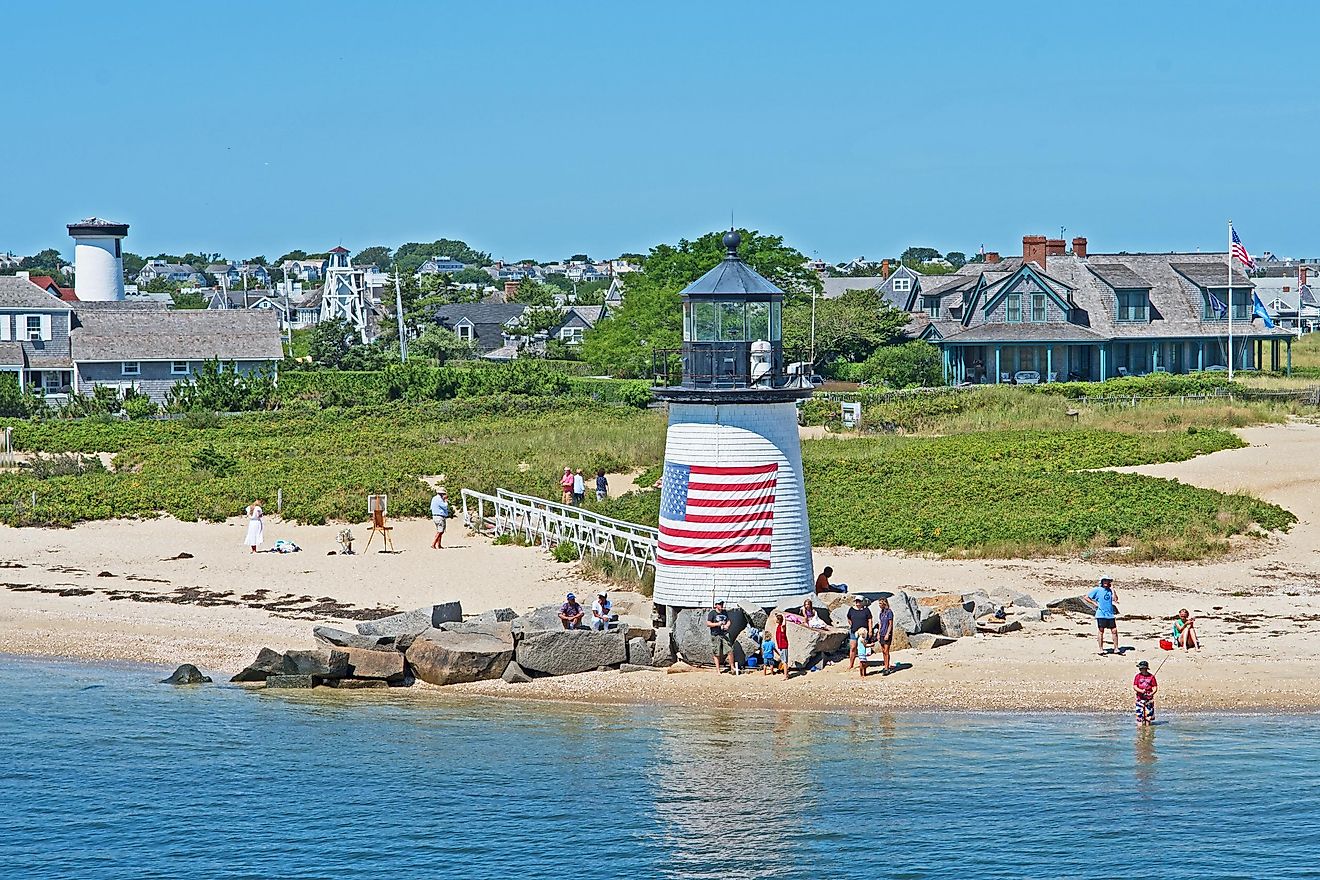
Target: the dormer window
(902, 285)
(1013, 308)
(931, 306)
(1133, 305)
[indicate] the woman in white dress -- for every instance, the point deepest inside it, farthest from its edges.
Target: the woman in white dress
(255, 531)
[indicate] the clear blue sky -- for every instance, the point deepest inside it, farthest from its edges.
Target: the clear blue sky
(544, 129)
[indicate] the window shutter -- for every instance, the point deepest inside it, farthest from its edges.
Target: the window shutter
(4, 328)
(45, 327)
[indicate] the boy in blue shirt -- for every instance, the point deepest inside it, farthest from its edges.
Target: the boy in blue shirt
(1103, 599)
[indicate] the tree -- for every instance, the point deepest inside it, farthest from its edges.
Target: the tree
(218, 387)
(915, 256)
(441, 345)
(472, 276)
(292, 255)
(849, 327)
(651, 315)
(133, 264)
(377, 255)
(534, 293)
(538, 319)
(331, 341)
(46, 262)
(910, 365)
(411, 255)
(579, 258)
(190, 300)
(957, 258)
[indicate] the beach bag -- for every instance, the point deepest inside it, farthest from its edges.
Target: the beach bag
(1166, 644)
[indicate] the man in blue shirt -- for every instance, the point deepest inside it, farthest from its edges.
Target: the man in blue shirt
(439, 515)
(1103, 599)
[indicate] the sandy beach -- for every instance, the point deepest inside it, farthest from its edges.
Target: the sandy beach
(121, 590)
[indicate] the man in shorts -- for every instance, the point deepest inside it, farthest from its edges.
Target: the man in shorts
(721, 643)
(439, 515)
(1104, 600)
(570, 613)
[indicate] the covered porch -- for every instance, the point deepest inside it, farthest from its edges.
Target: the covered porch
(998, 363)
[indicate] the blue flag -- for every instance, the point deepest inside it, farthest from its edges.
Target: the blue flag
(1258, 311)
(1217, 304)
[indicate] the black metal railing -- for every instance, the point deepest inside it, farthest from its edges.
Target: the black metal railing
(725, 365)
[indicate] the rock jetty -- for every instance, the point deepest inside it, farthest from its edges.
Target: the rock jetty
(437, 645)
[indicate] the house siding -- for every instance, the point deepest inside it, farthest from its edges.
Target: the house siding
(155, 379)
(56, 346)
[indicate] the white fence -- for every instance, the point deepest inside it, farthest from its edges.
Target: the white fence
(551, 524)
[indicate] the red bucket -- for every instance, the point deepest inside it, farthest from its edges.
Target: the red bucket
(1166, 644)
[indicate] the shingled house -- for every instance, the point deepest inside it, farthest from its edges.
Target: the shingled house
(1084, 316)
(69, 348)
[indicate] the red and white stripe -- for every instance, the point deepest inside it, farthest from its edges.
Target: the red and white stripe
(1238, 251)
(729, 519)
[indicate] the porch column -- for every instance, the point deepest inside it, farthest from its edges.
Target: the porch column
(1049, 361)
(946, 365)
(1155, 356)
(1103, 375)
(1288, 341)
(997, 370)
(1200, 355)
(1274, 355)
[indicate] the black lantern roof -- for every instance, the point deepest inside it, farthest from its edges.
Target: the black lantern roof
(732, 277)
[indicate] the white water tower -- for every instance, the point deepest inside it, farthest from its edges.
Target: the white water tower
(98, 259)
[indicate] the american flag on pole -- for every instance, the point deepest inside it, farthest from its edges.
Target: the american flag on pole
(717, 517)
(1239, 252)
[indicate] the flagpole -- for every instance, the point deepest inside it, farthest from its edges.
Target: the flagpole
(1230, 300)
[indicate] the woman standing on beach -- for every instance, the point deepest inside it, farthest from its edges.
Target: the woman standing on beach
(255, 531)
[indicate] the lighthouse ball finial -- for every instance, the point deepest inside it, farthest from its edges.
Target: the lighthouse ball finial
(731, 241)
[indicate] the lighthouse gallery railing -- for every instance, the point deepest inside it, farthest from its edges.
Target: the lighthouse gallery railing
(551, 523)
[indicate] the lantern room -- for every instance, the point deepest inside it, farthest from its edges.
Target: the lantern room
(732, 335)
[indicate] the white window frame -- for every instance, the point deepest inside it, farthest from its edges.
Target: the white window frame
(175, 371)
(902, 285)
(29, 333)
(464, 332)
(571, 335)
(130, 368)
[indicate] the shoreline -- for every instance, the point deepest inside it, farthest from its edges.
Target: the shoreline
(166, 592)
(594, 688)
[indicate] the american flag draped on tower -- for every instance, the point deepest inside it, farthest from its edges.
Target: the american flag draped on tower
(717, 517)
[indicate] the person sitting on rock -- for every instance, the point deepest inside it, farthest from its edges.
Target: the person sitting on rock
(601, 614)
(717, 622)
(570, 613)
(1184, 631)
(823, 584)
(810, 617)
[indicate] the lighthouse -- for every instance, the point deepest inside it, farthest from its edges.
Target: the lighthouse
(98, 259)
(733, 510)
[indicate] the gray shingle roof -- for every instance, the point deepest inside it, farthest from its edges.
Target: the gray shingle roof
(1211, 274)
(11, 354)
(835, 287)
(1118, 276)
(480, 312)
(118, 334)
(18, 293)
(732, 276)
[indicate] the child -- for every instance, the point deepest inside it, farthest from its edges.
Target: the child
(863, 651)
(1145, 686)
(781, 644)
(767, 652)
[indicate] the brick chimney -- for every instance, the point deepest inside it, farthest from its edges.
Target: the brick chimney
(992, 256)
(510, 291)
(1301, 276)
(884, 268)
(1033, 250)
(1079, 246)
(1056, 247)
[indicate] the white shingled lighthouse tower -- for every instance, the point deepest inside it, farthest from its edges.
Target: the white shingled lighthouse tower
(98, 259)
(733, 511)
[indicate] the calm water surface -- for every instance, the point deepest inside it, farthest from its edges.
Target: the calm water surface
(105, 773)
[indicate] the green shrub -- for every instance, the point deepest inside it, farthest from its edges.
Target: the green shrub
(1152, 385)
(565, 551)
(910, 365)
(138, 405)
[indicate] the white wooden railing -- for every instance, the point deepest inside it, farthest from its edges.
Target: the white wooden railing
(550, 524)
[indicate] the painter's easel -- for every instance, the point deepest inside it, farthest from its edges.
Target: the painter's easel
(377, 507)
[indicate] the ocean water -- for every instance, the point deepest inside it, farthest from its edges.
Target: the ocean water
(105, 773)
